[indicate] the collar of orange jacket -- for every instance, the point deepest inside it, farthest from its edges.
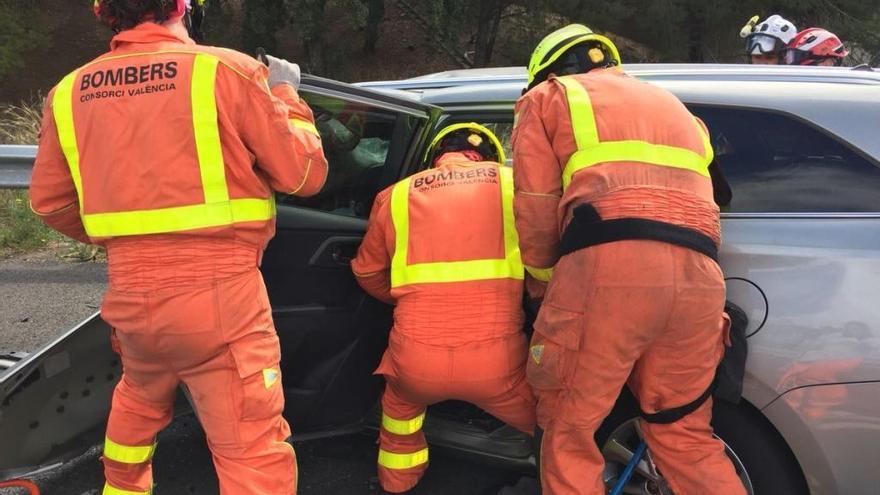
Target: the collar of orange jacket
(456, 158)
(147, 32)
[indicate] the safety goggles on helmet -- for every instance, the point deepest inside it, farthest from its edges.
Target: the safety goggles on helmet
(560, 43)
(466, 137)
(763, 44)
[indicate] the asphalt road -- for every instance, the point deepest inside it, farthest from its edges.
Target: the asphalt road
(41, 299)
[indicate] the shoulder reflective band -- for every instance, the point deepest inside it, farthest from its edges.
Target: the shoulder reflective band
(391, 460)
(217, 210)
(454, 271)
(127, 454)
(541, 274)
(591, 151)
(402, 426)
(112, 490)
(305, 125)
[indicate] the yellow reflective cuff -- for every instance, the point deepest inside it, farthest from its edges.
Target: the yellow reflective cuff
(207, 130)
(542, 274)
(583, 120)
(305, 125)
(180, 218)
(402, 461)
(635, 151)
(402, 426)
(403, 273)
(112, 490)
(127, 454)
(62, 110)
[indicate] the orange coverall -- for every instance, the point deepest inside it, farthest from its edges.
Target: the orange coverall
(188, 306)
(452, 340)
(646, 312)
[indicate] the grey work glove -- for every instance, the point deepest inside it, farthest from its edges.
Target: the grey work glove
(282, 72)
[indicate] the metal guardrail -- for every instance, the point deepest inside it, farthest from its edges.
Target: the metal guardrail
(16, 164)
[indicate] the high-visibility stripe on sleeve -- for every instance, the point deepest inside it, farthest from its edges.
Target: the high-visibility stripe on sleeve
(207, 130)
(402, 426)
(127, 454)
(112, 490)
(583, 120)
(391, 460)
(305, 125)
(542, 274)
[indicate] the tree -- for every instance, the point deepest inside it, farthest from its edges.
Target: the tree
(262, 20)
(375, 14)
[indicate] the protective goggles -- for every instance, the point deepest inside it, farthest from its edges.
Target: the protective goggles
(763, 44)
(793, 56)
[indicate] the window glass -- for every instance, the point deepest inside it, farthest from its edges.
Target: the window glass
(774, 163)
(356, 139)
(503, 130)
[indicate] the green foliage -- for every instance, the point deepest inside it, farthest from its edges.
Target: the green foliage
(20, 229)
(17, 35)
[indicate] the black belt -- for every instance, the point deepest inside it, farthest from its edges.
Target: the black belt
(588, 229)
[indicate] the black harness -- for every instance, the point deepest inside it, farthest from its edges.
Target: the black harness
(588, 229)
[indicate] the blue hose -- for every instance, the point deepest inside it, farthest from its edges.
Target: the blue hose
(630, 467)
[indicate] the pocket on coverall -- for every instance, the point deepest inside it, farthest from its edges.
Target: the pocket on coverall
(553, 352)
(257, 357)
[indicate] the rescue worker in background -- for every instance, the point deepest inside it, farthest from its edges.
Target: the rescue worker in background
(613, 195)
(766, 42)
(167, 153)
(442, 246)
(815, 46)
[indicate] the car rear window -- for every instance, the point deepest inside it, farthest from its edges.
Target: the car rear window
(777, 164)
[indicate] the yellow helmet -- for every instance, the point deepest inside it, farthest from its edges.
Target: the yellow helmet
(466, 136)
(557, 43)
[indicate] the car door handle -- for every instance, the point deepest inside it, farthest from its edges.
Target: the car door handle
(336, 252)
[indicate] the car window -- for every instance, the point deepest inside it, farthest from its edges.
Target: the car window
(775, 163)
(356, 139)
(503, 130)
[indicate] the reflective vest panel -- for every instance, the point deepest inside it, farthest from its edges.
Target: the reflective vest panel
(217, 210)
(402, 273)
(591, 151)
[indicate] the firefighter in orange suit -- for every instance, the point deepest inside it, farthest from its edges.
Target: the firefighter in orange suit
(442, 246)
(167, 153)
(614, 208)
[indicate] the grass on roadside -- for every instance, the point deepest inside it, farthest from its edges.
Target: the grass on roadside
(21, 231)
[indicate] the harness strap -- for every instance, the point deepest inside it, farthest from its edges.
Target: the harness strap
(588, 229)
(671, 415)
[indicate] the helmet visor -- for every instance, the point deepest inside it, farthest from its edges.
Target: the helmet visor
(762, 44)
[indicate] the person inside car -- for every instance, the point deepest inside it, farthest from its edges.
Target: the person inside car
(442, 247)
(816, 46)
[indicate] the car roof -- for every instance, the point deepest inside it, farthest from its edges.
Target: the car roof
(841, 100)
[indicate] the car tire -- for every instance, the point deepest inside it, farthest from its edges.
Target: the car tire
(768, 460)
(769, 463)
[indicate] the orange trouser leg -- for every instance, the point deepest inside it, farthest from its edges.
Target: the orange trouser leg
(605, 310)
(219, 340)
(142, 406)
(403, 451)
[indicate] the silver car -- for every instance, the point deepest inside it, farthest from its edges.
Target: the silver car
(799, 154)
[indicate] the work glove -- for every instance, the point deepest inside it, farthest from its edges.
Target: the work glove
(282, 72)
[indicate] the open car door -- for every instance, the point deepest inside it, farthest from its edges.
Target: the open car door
(54, 402)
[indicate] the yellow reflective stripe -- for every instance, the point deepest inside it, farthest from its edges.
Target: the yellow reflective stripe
(403, 273)
(305, 125)
(635, 151)
(583, 121)
(207, 129)
(542, 274)
(402, 426)
(180, 218)
(709, 153)
(112, 490)
(391, 460)
(127, 454)
(62, 110)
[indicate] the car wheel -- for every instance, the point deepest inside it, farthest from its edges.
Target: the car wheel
(761, 458)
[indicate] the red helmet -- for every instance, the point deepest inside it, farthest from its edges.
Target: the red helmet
(813, 46)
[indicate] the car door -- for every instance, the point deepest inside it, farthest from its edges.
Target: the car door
(54, 402)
